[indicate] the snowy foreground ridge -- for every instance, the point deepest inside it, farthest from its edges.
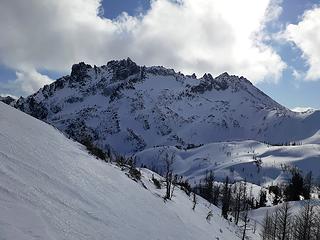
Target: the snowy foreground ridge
(51, 188)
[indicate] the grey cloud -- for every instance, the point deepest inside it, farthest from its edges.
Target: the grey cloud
(193, 36)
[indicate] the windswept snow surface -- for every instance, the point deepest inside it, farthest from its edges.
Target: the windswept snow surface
(51, 188)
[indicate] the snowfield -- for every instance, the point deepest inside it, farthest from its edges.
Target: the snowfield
(51, 188)
(238, 160)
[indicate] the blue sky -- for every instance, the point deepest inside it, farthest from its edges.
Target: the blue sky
(113, 8)
(289, 90)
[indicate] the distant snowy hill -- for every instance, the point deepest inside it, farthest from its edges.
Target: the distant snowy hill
(303, 109)
(130, 108)
(256, 162)
(51, 188)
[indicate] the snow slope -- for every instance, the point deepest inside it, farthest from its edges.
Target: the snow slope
(50, 188)
(315, 139)
(129, 108)
(238, 160)
(258, 215)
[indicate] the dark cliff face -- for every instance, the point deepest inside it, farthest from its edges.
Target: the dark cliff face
(32, 107)
(8, 100)
(79, 71)
(123, 69)
(207, 83)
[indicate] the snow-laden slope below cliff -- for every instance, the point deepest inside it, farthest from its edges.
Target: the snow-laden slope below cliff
(51, 188)
(129, 108)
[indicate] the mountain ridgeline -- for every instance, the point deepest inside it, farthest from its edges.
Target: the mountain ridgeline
(129, 108)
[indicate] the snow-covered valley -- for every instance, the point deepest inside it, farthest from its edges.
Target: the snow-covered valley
(256, 162)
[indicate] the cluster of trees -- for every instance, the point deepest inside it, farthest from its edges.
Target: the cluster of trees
(297, 188)
(234, 199)
(125, 163)
(94, 150)
(282, 224)
(293, 143)
(173, 180)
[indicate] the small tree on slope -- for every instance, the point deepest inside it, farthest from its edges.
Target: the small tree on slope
(226, 199)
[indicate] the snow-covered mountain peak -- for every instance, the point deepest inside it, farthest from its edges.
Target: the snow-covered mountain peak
(80, 70)
(126, 69)
(128, 108)
(123, 69)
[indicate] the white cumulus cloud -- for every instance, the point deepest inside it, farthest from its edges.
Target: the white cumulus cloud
(306, 36)
(27, 81)
(190, 36)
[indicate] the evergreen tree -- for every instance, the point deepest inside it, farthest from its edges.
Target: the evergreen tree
(207, 190)
(295, 187)
(307, 184)
(226, 199)
(216, 194)
(262, 199)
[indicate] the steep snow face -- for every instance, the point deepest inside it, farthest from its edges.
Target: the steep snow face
(50, 188)
(129, 108)
(256, 162)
